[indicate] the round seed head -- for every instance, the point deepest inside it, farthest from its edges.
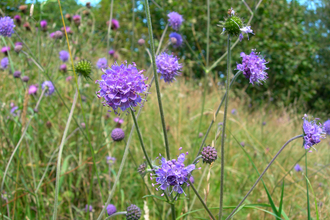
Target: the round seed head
(233, 25)
(133, 212)
(117, 134)
(84, 68)
(209, 154)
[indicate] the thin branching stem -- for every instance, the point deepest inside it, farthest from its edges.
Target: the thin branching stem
(161, 111)
(224, 128)
(262, 174)
(109, 27)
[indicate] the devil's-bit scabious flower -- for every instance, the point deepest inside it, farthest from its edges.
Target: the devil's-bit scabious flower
(17, 74)
(84, 68)
(133, 212)
(64, 55)
(18, 20)
(111, 209)
(48, 85)
(297, 168)
(117, 134)
(112, 52)
(327, 127)
(88, 209)
(56, 35)
(175, 20)
(168, 66)
(209, 154)
(25, 79)
(253, 67)
(6, 26)
(176, 39)
(102, 63)
(122, 86)
(172, 173)
(313, 132)
(43, 25)
(33, 89)
(233, 25)
(4, 63)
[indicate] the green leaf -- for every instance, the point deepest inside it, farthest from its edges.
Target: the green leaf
(281, 202)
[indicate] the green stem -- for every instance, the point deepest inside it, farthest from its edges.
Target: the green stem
(224, 129)
(308, 207)
(156, 78)
(109, 27)
(133, 26)
(201, 200)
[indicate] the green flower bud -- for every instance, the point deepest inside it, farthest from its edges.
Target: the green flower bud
(84, 68)
(233, 25)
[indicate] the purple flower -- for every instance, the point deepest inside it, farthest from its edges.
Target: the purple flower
(14, 111)
(52, 35)
(18, 43)
(111, 52)
(253, 67)
(175, 20)
(6, 26)
(327, 127)
(168, 66)
(68, 79)
(4, 63)
(111, 209)
(242, 143)
(63, 67)
(313, 133)
(90, 209)
(121, 86)
(141, 41)
(173, 173)
(118, 120)
(48, 85)
(17, 18)
(76, 19)
(5, 50)
(117, 134)
(114, 24)
(64, 55)
(110, 160)
(234, 111)
(33, 89)
(102, 63)
(176, 39)
(246, 30)
(298, 168)
(43, 24)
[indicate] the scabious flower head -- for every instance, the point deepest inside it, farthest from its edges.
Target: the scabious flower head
(297, 168)
(84, 68)
(63, 67)
(5, 50)
(233, 25)
(327, 127)
(133, 212)
(111, 209)
(14, 111)
(313, 132)
(172, 173)
(57, 35)
(114, 24)
(234, 111)
(110, 160)
(17, 18)
(4, 63)
(253, 67)
(141, 42)
(209, 154)
(43, 24)
(76, 19)
(18, 48)
(6, 26)
(168, 66)
(176, 39)
(64, 55)
(117, 134)
(25, 79)
(17, 74)
(48, 85)
(111, 52)
(102, 63)
(175, 20)
(33, 89)
(122, 86)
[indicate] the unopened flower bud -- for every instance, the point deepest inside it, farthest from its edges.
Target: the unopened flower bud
(25, 78)
(18, 48)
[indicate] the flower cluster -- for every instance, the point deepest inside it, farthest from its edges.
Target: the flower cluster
(6, 26)
(102, 63)
(176, 39)
(173, 173)
(121, 86)
(175, 20)
(64, 55)
(48, 85)
(4, 63)
(313, 133)
(168, 66)
(253, 67)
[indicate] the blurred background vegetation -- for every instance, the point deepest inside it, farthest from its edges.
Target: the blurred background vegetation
(292, 35)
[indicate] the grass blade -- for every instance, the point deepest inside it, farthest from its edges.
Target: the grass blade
(316, 210)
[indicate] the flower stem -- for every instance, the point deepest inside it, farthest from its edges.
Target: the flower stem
(140, 138)
(217, 112)
(156, 77)
(200, 199)
(109, 27)
(224, 128)
(255, 184)
(117, 213)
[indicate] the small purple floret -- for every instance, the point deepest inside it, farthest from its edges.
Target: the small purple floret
(313, 133)
(175, 20)
(253, 67)
(168, 66)
(246, 30)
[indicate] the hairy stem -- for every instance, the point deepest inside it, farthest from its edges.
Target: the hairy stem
(255, 184)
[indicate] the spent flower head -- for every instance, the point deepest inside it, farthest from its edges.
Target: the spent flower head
(253, 67)
(168, 66)
(122, 86)
(172, 173)
(6, 26)
(48, 85)
(313, 132)
(175, 20)
(176, 39)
